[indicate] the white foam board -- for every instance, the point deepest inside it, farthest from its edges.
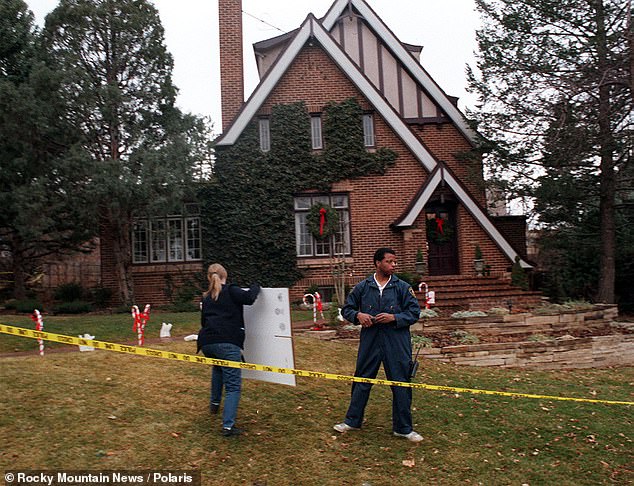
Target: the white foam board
(269, 340)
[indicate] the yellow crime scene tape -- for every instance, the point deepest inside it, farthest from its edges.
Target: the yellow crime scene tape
(155, 353)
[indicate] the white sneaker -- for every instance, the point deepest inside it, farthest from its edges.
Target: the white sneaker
(412, 436)
(344, 427)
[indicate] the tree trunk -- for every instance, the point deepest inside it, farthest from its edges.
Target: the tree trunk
(120, 228)
(19, 279)
(607, 178)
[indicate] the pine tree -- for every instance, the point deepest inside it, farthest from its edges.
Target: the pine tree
(555, 86)
(118, 90)
(43, 174)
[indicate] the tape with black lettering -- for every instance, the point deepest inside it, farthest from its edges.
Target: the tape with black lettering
(155, 353)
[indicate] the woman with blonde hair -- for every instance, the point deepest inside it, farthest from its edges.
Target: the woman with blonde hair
(222, 337)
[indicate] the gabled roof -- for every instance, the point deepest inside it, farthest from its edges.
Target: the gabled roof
(441, 174)
(397, 48)
(311, 28)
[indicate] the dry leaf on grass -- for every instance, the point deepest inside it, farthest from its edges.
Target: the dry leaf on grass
(409, 462)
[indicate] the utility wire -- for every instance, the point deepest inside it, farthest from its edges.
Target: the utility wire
(263, 21)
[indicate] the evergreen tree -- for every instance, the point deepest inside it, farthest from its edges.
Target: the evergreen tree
(555, 87)
(118, 90)
(43, 172)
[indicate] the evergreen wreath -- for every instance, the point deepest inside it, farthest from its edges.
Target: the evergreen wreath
(435, 234)
(331, 221)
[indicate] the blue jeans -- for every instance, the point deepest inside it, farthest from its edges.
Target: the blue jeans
(229, 378)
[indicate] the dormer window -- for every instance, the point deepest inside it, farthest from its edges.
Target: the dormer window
(265, 134)
(315, 130)
(368, 130)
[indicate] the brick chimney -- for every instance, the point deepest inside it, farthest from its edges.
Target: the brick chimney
(231, 68)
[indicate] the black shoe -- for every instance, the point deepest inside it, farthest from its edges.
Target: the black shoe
(213, 408)
(232, 431)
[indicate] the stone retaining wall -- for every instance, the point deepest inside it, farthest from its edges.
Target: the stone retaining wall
(548, 352)
(522, 324)
(562, 353)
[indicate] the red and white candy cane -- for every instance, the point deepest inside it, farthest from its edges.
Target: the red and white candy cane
(39, 326)
(420, 288)
(140, 320)
(316, 302)
(319, 305)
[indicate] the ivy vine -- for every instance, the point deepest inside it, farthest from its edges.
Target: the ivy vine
(247, 211)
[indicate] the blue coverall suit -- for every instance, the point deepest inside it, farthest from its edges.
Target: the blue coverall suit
(389, 344)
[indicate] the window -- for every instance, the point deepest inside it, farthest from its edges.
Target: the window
(315, 129)
(265, 134)
(368, 130)
(169, 239)
(306, 243)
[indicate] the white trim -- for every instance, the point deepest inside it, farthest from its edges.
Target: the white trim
(406, 58)
(419, 205)
(482, 219)
(469, 204)
(374, 97)
(265, 87)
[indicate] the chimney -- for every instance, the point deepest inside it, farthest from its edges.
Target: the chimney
(231, 68)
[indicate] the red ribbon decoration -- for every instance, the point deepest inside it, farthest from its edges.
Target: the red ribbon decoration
(322, 220)
(439, 223)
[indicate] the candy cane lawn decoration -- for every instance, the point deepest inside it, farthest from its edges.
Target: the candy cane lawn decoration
(39, 326)
(140, 320)
(317, 307)
(430, 296)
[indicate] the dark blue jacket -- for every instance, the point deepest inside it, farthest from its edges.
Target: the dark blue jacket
(222, 320)
(398, 298)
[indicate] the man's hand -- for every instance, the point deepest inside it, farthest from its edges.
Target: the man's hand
(384, 318)
(366, 320)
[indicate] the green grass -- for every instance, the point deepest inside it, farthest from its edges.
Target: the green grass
(106, 410)
(107, 327)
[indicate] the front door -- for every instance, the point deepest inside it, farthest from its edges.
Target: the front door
(441, 239)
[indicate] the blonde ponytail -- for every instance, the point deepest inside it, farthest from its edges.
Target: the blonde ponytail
(217, 275)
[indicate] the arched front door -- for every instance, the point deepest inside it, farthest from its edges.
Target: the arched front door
(442, 239)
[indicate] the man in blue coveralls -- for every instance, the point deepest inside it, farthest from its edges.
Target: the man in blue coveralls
(385, 307)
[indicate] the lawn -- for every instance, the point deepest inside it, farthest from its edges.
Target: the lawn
(105, 411)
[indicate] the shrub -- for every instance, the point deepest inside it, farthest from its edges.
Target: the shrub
(69, 292)
(184, 306)
(101, 296)
(518, 275)
(24, 305)
(464, 337)
(410, 278)
(424, 341)
(467, 314)
(428, 313)
(74, 307)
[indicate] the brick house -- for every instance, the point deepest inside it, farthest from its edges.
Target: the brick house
(431, 199)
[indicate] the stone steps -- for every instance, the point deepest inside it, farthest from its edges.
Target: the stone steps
(456, 292)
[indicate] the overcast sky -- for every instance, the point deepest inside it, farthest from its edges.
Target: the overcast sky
(445, 29)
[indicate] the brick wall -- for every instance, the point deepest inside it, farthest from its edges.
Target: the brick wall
(154, 284)
(513, 228)
(231, 68)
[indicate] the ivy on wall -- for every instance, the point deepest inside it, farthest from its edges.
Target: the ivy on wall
(247, 211)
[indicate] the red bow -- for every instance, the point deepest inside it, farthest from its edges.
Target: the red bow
(322, 220)
(439, 223)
